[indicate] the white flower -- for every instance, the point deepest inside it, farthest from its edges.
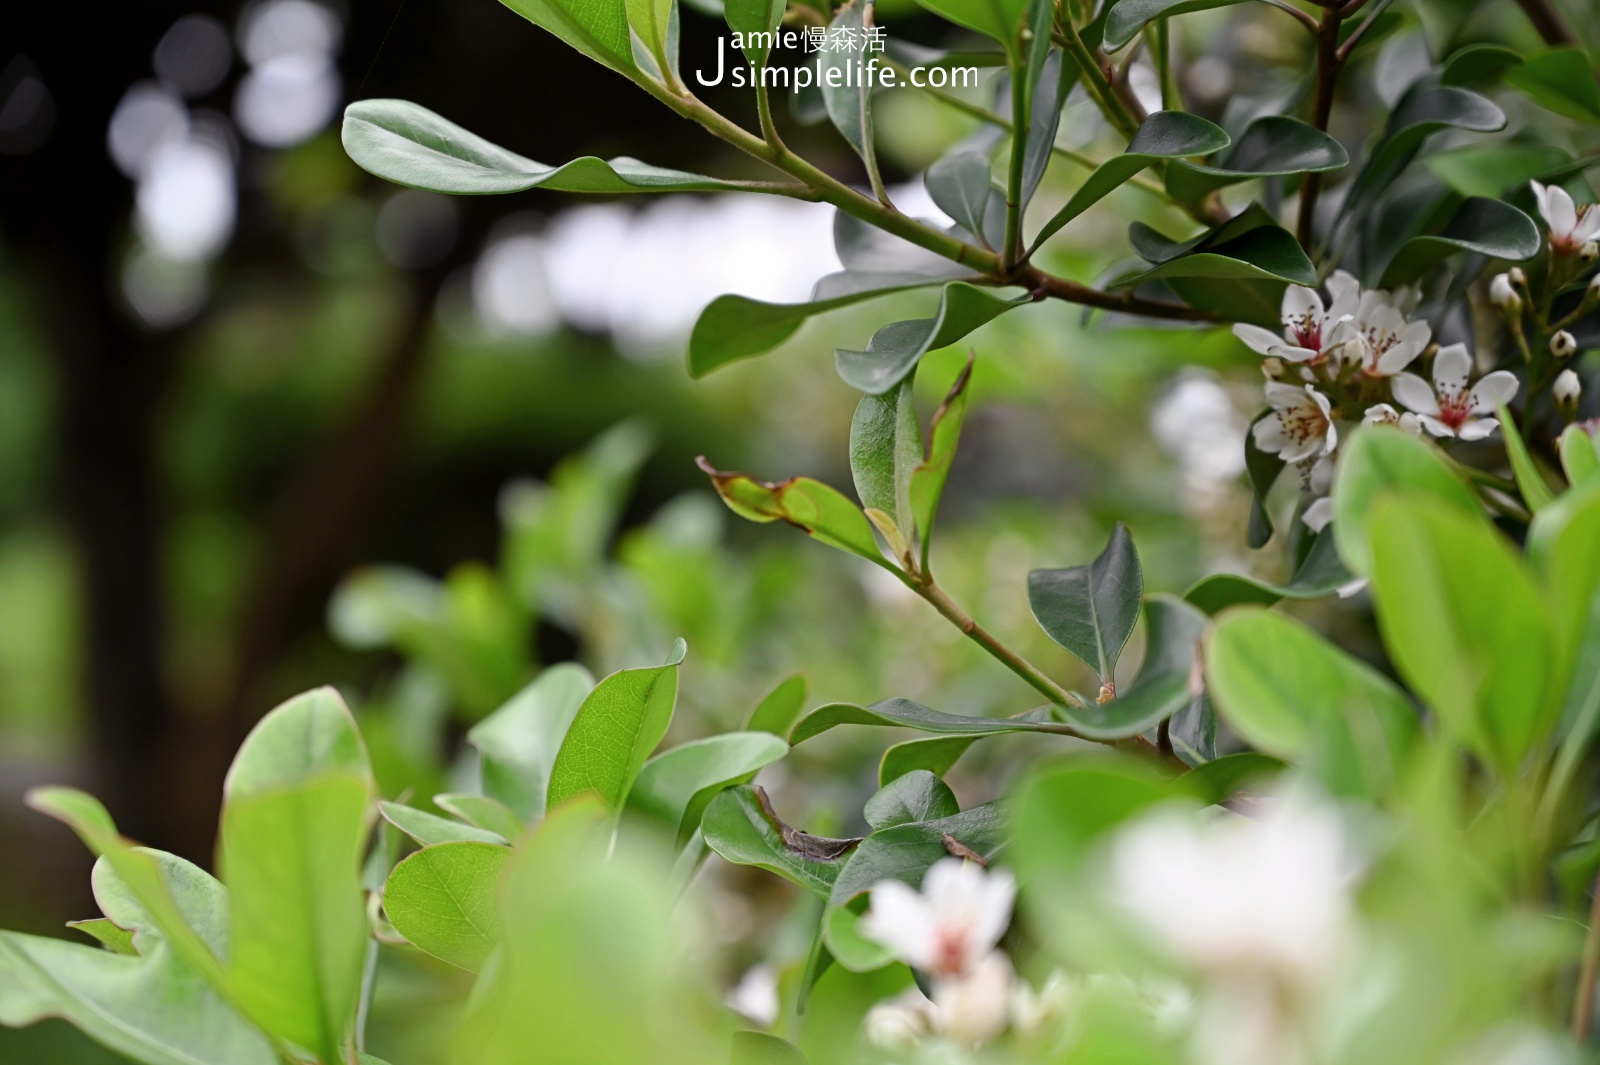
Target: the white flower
(1571, 226)
(1379, 338)
(1240, 898)
(951, 925)
(1318, 514)
(1448, 408)
(1308, 325)
(900, 1022)
(1567, 388)
(1503, 295)
(1300, 426)
(1383, 414)
(1033, 1012)
(1563, 345)
(974, 1006)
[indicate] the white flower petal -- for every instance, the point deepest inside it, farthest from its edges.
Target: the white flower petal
(1495, 389)
(1451, 368)
(1300, 450)
(1284, 396)
(1318, 514)
(975, 1007)
(1298, 301)
(1477, 428)
(1291, 353)
(1397, 358)
(902, 922)
(1435, 426)
(1563, 216)
(1414, 393)
(1256, 338)
(1269, 435)
(1541, 197)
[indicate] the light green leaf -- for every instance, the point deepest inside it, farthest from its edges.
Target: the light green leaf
(442, 899)
(616, 729)
(1560, 80)
(676, 787)
(751, 17)
(1495, 170)
(936, 755)
(894, 350)
(741, 826)
(928, 479)
(916, 796)
(960, 185)
(1580, 456)
(904, 852)
(1480, 226)
(1271, 146)
(737, 327)
(818, 510)
(1091, 609)
(518, 742)
(1465, 626)
(1293, 695)
(597, 28)
(1000, 19)
(410, 145)
(107, 933)
(1580, 708)
(840, 74)
(1320, 575)
(1125, 19)
(777, 712)
(845, 941)
(885, 447)
(1379, 459)
(305, 737)
(481, 812)
(1530, 482)
(1561, 548)
(1164, 135)
(1063, 810)
(903, 713)
(652, 22)
(762, 1048)
(428, 829)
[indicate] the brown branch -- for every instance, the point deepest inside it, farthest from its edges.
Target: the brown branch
(1583, 1001)
(1548, 21)
(1329, 63)
(1125, 302)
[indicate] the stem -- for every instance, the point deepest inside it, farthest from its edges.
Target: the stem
(1548, 21)
(1583, 1001)
(1299, 16)
(769, 132)
(1012, 248)
(1096, 82)
(1161, 50)
(924, 586)
(1329, 63)
(1126, 302)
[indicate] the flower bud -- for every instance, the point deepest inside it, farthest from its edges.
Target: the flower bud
(1594, 287)
(1566, 390)
(1272, 366)
(1563, 345)
(1589, 252)
(1517, 277)
(1504, 296)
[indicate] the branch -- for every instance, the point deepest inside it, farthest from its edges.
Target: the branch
(1096, 82)
(1126, 302)
(1329, 63)
(1583, 1002)
(1548, 21)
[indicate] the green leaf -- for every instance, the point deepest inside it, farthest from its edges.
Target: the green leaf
(597, 28)
(848, 101)
(1125, 19)
(1063, 810)
(782, 706)
(1091, 609)
(1263, 468)
(737, 327)
(1478, 65)
(481, 812)
(917, 796)
(676, 787)
(1580, 707)
(1530, 482)
(762, 1048)
(894, 351)
(652, 22)
(845, 941)
(1264, 253)
(310, 735)
(936, 755)
(903, 713)
(885, 447)
(1221, 779)
(928, 479)
(905, 852)
(1561, 80)
(819, 511)
(149, 1006)
(1271, 146)
(1423, 111)
(1465, 626)
(517, 744)
(428, 829)
(410, 145)
(442, 899)
(1164, 135)
(1580, 456)
(1293, 695)
(1379, 459)
(107, 933)
(617, 727)
(1000, 19)
(1165, 681)
(1495, 170)
(751, 17)
(741, 826)
(959, 185)
(1321, 574)
(1560, 548)
(1481, 226)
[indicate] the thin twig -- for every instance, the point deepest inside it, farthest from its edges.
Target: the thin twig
(1583, 1002)
(1548, 21)
(1299, 16)
(1328, 66)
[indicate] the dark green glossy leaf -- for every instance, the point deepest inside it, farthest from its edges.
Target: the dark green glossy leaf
(597, 28)
(737, 327)
(1271, 146)
(903, 713)
(517, 744)
(1265, 253)
(1377, 460)
(675, 787)
(848, 101)
(1000, 19)
(741, 827)
(618, 726)
(905, 852)
(778, 712)
(917, 796)
(936, 755)
(1561, 80)
(1166, 681)
(818, 510)
(428, 828)
(1164, 135)
(1293, 695)
(1193, 731)
(1051, 77)
(894, 351)
(1481, 226)
(1478, 65)
(1321, 574)
(1091, 609)
(1263, 468)
(1494, 170)
(410, 145)
(960, 186)
(1423, 111)
(1127, 17)
(442, 899)
(928, 479)
(885, 448)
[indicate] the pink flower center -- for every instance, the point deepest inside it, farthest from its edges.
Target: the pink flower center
(1303, 421)
(1569, 242)
(950, 947)
(1454, 405)
(1306, 332)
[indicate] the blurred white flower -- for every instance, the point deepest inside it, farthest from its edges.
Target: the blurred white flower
(900, 1022)
(951, 925)
(1308, 325)
(1383, 414)
(1449, 408)
(755, 996)
(1515, 1045)
(1034, 1012)
(1571, 226)
(186, 202)
(974, 1006)
(1300, 426)
(1379, 338)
